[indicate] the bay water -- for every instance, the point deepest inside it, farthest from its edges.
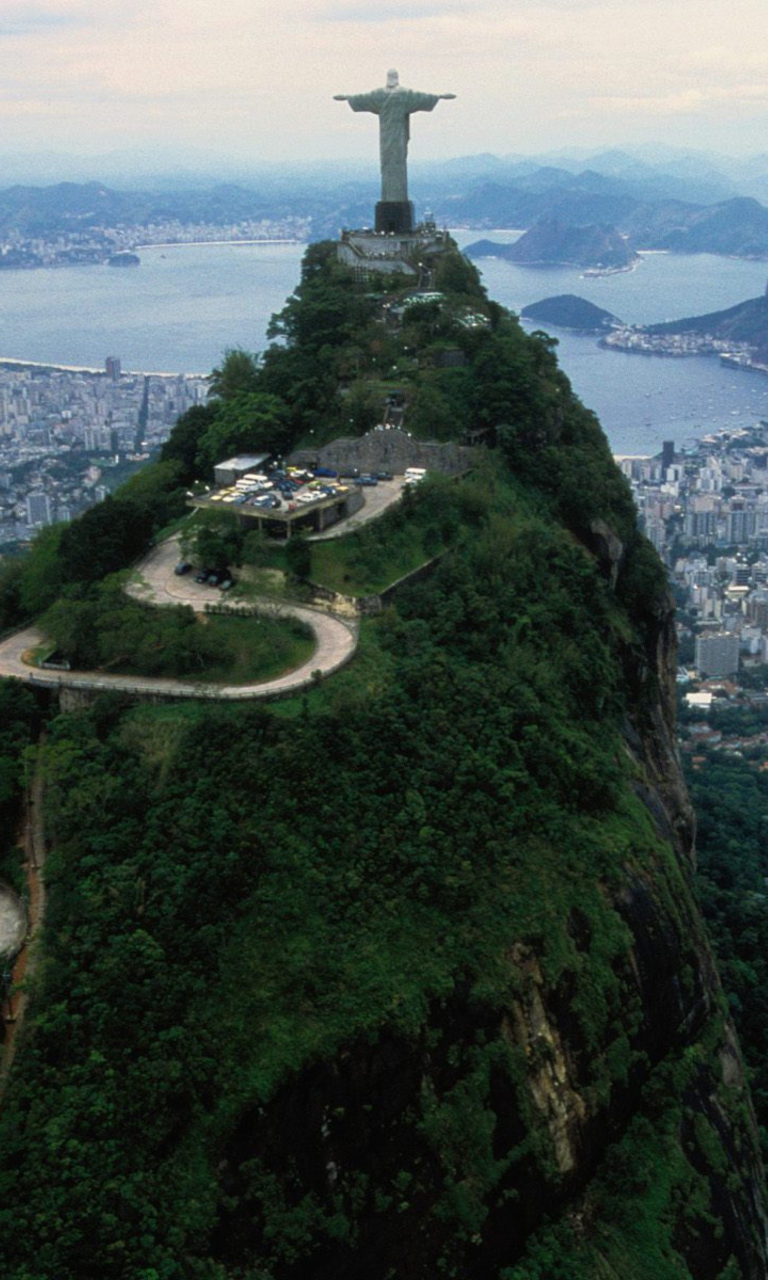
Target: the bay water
(185, 305)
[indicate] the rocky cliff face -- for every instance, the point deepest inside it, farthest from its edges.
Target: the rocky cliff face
(596, 1122)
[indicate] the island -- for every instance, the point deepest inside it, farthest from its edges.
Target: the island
(551, 242)
(569, 311)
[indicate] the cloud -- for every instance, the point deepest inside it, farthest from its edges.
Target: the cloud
(262, 77)
(686, 102)
(23, 19)
(369, 11)
(358, 11)
(50, 20)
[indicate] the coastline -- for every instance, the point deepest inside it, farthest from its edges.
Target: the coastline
(12, 363)
(742, 362)
(201, 244)
(593, 273)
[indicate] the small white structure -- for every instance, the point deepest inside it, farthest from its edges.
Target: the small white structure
(233, 469)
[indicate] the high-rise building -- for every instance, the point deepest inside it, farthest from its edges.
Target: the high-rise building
(717, 654)
(38, 510)
(113, 368)
(741, 526)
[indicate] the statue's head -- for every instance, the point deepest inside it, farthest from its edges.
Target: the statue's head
(393, 80)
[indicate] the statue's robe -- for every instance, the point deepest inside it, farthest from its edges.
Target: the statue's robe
(393, 107)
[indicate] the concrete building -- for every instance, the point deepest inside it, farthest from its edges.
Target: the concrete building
(717, 654)
(38, 510)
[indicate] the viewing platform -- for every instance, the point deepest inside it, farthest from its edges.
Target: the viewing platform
(387, 252)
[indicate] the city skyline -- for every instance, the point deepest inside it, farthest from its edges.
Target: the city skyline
(180, 75)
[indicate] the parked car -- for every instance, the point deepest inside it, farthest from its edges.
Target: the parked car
(215, 577)
(366, 481)
(182, 567)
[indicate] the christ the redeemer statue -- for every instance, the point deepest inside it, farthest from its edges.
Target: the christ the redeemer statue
(394, 106)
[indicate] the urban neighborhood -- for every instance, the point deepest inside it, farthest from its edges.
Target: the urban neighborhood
(705, 509)
(67, 436)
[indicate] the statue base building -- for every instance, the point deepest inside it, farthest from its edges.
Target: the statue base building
(409, 252)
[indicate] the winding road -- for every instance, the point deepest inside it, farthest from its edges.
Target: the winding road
(156, 582)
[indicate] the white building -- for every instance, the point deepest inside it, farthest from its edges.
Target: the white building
(717, 654)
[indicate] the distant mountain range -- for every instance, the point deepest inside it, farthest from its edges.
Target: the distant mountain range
(652, 171)
(68, 206)
(737, 227)
(685, 202)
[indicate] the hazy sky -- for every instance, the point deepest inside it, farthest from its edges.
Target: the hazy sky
(255, 80)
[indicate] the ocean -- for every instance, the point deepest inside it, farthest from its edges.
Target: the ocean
(185, 305)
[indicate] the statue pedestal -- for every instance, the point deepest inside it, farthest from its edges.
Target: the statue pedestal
(406, 253)
(395, 216)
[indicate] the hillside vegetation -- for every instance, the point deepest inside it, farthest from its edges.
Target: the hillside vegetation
(404, 978)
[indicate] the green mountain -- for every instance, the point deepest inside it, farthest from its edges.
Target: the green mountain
(569, 311)
(404, 977)
(745, 322)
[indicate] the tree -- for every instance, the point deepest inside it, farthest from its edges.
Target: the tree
(249, 421)
(215, 539)
(183, 444)
(158, 491)
(42, 575)
(237, 375)
(71, 624)
(108, 537)
(361, 409)
(298, 557)
(11, 582)
(457, 275)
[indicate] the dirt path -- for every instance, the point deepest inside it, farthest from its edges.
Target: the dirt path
(25, 964)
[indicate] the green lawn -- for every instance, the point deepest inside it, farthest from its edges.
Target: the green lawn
(360, 565)
(238, 650)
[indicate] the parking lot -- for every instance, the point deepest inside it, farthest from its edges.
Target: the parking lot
(320, 505)
(377, 499)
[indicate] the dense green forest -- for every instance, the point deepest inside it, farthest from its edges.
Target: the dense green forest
(402, 978)
(731, 799)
